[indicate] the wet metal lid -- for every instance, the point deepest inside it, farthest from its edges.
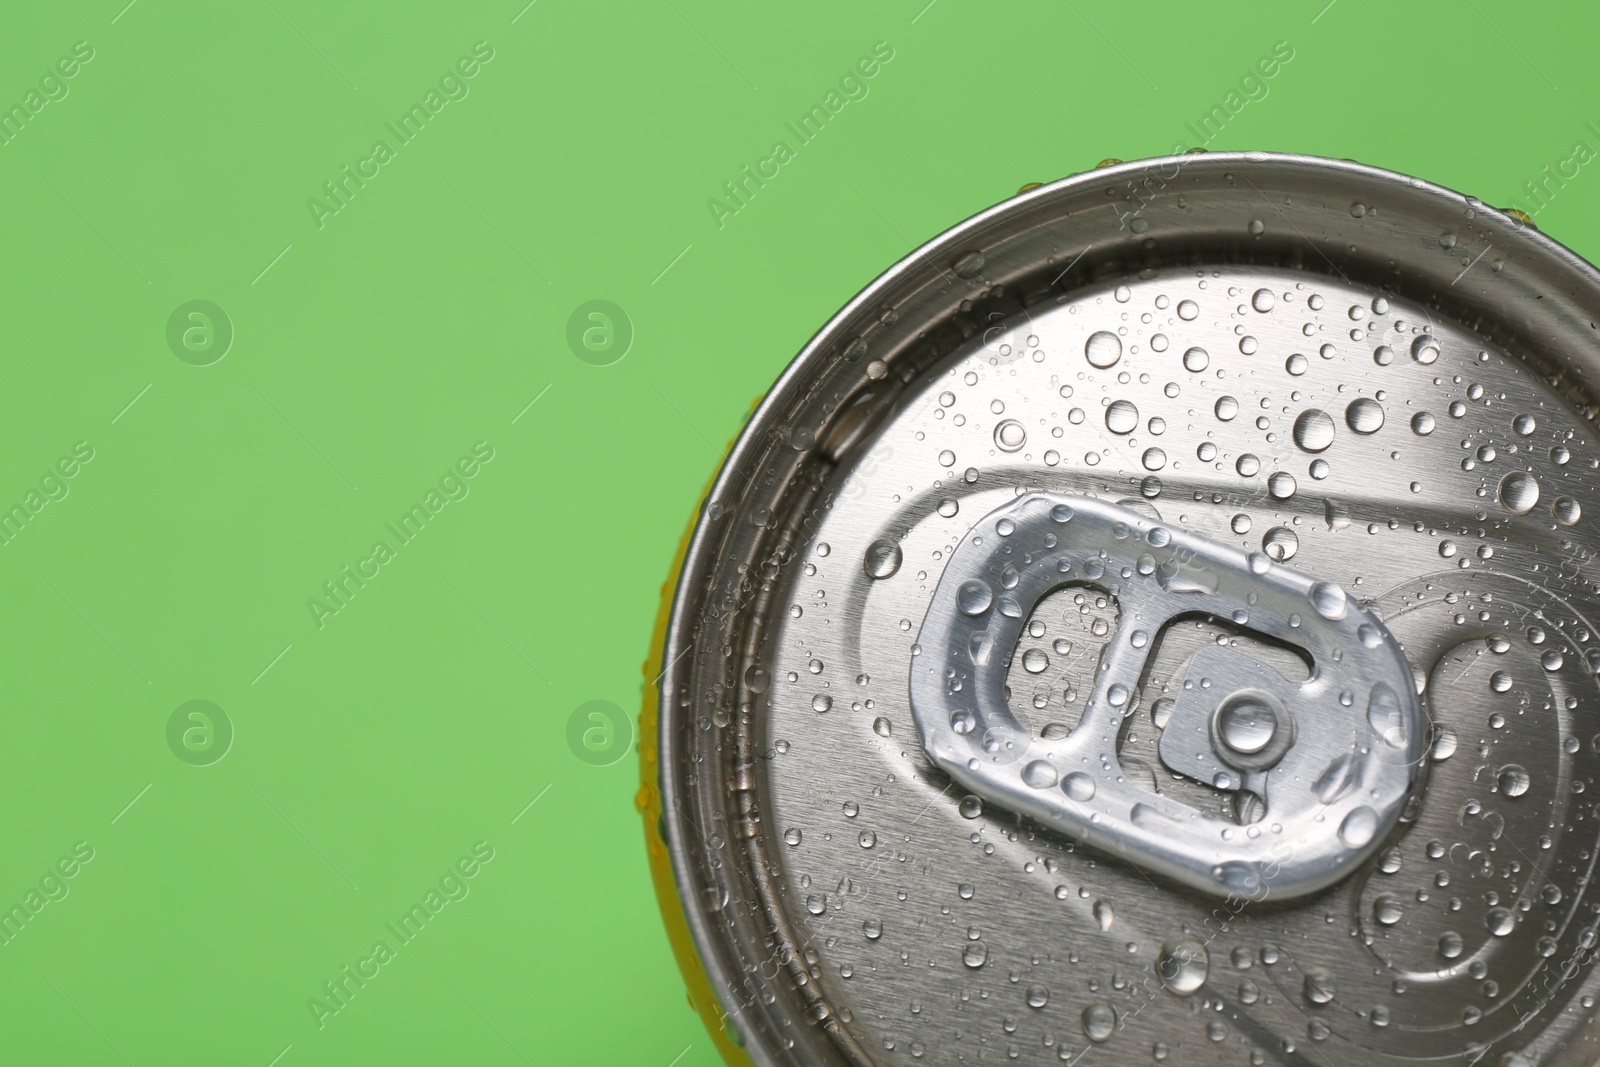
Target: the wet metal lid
(1154, 616)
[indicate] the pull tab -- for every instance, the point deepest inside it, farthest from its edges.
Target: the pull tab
(1335, 757)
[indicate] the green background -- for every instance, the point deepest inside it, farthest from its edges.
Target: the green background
(373, 351)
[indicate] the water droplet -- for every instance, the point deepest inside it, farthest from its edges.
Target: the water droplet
(1387, 909)
(948, 508)
(1263, 300)
(1359, 827)
(1444, 745)
(1196, 360)
(974, 597)
(1009, 436)
(1153, 459)
(1061, 513)
(1566, 510)
(1313, 430)
(821, 702)
(1385, 715)
(1329, 600)
(1337, 780)
(969, 265)
(1227, 408)
(1038, 996)
(1450, 944)
(872, 928)
(1500, 681)
(1425, 349)
(1246, 723)
(1240, 523)
(1104, 914)
(1519, 492)
(1182, 963)
(1281, 485)
(1034, 661)
(970, 807)
(791, 836)
(883, 558)
(1512, 780)
(1256, 227)
(882, 727)
(1122, 416)
(867, 839)
(1099, 1022)
(975, 955)
(1319, 986)
(1364, 415)
(1422, 423)
(1039, 774)
(1280, 543)
(1078, 786)
(1103, 349)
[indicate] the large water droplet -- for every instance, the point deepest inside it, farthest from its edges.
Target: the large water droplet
(1123, 417)
(1039, 774)
(1196, 360)
(1009, 436)
(1103, 349)
(1513, 780)
(1247, 723)
(1329, 600)
(1364, 415)
(1425, 349)
(1519, 492)
(1104, 914)
(1183, 964)
(1227, 408)
(1385, 715)
(1099, 1022)
(975, 955)
(882, 559)
(1337, 780)
(974, 597)
(1319, 986)
(1280, 543)
(1359, 827)
(1313, 430)
(1078, 786)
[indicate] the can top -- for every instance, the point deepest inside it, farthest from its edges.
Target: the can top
(1168, 588)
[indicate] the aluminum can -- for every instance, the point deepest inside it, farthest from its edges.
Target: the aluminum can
(1152, 622)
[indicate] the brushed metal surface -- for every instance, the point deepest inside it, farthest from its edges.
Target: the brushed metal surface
(853, 904)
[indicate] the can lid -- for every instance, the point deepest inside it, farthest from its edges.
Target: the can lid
(1168, 589)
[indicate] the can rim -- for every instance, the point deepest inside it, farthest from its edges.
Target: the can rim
(698, 560)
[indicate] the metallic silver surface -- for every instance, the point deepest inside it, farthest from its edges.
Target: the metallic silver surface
(1380, 384)
(1332, 758)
